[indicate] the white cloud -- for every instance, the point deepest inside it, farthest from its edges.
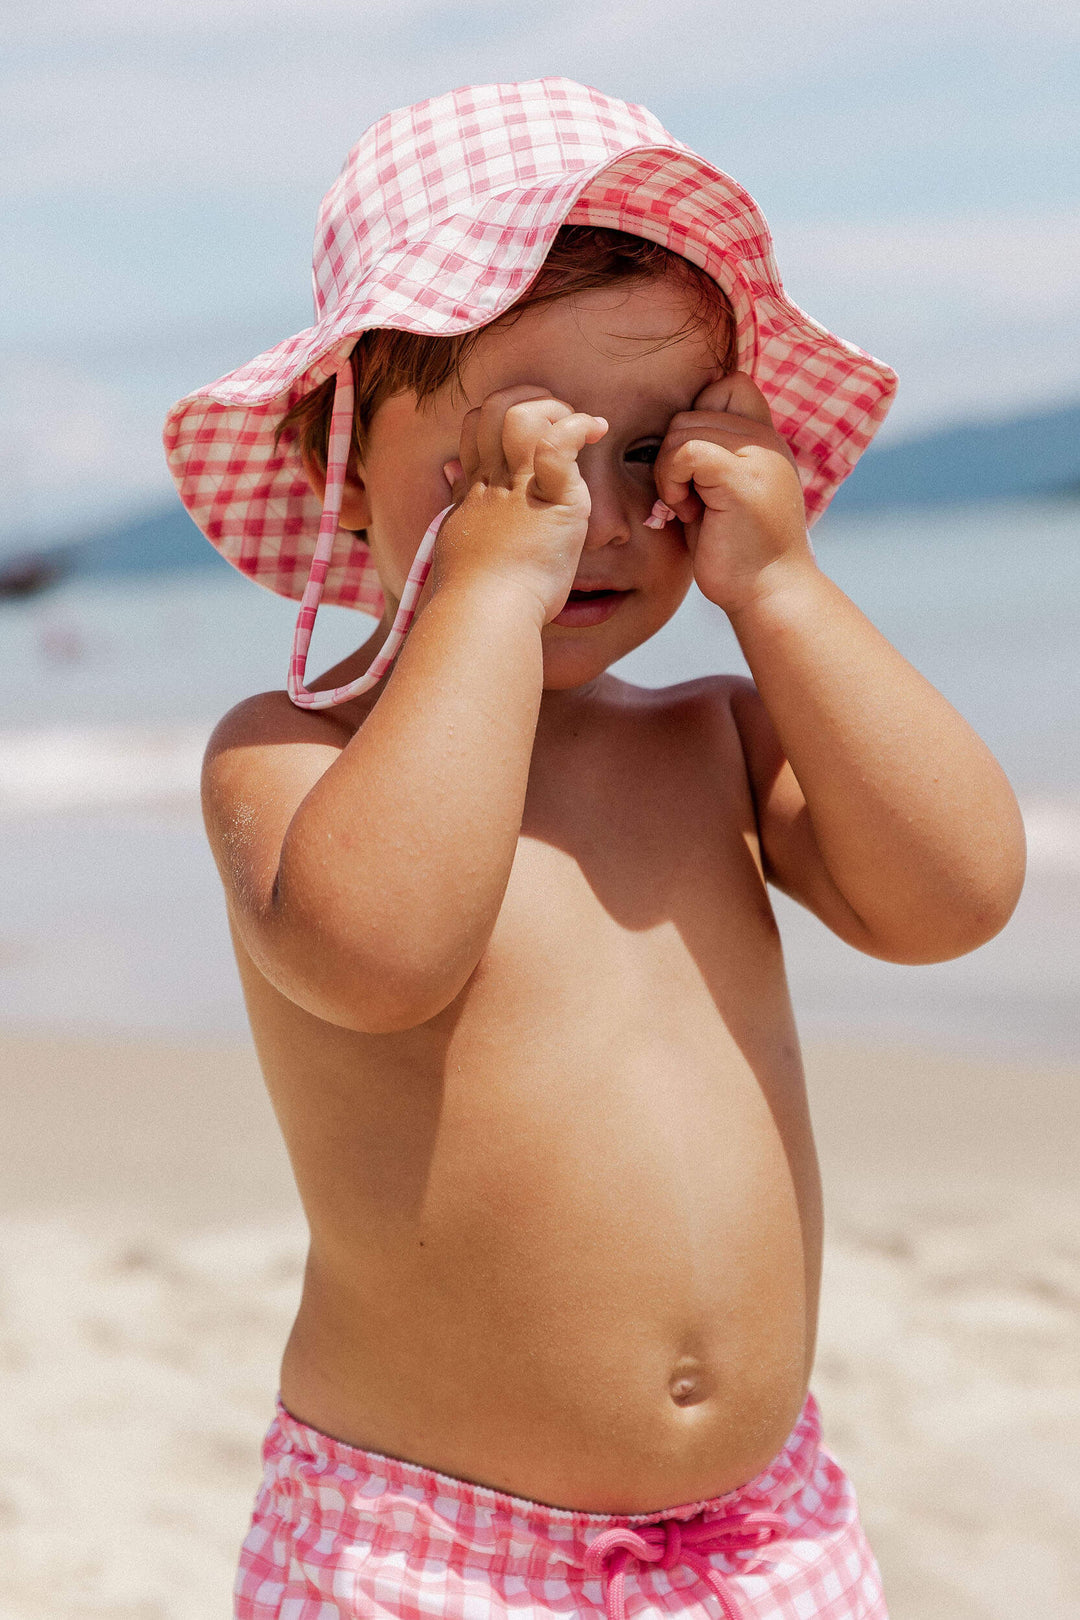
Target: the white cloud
(994, 263)
(803, 23)
(981, 316)
(220, 92)
(56, 20)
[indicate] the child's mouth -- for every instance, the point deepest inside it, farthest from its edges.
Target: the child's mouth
(584, 608)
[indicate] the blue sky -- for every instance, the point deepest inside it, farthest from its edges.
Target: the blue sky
(161, 165)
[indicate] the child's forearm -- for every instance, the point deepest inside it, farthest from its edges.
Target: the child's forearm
(913, 817)
(394, 867)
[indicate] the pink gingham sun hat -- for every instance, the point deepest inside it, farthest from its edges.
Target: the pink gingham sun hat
(439, 220)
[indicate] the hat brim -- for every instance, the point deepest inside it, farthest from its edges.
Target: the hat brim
(253, 502)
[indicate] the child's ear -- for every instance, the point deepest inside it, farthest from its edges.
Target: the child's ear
(355, 506)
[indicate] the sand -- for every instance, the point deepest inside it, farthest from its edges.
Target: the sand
(151, 1248)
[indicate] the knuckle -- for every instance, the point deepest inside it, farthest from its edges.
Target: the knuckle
(516, 395)
(537, 406)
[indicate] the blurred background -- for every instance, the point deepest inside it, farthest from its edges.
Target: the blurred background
(160, 171)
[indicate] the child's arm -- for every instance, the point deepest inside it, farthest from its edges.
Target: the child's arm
(878, 806)
(365, 878)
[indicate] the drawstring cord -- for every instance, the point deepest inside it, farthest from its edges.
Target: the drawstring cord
(337, 461)
(671, 1543)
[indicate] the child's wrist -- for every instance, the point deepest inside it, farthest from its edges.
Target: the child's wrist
(785, 590)
(493, 593)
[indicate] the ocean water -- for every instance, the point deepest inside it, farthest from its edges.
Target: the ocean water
(110, 914)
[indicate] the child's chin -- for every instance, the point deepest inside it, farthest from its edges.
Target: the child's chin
(566, 667)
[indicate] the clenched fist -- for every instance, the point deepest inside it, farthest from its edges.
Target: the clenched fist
(732, 481)
(522, 506)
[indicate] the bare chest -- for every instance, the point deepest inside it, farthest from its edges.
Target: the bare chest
(633, 897)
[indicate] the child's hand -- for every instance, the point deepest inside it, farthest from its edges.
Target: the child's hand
(730, 478)
(523, 506)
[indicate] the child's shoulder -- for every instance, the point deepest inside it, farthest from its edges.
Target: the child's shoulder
(263, 757)
(268, 720)
(718, 721)
(722, 722)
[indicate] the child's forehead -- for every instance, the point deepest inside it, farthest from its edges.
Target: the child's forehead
(639, 309)
(640, 341)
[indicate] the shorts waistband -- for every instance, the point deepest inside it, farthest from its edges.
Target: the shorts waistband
(297, 1452)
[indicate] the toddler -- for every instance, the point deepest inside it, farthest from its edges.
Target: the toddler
(502, 918)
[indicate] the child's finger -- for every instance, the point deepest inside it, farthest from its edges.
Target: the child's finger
(526, 421)
(682, 471)
(738, 394)
(556, 452)
(492, 424)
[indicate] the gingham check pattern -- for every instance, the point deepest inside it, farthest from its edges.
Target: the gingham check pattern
(439, 220)
(344, 1534)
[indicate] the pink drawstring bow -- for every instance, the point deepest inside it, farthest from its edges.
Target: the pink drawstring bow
(670, 1543)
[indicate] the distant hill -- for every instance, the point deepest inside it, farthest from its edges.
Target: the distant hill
(164, 539)
(1033, 454)
(1036, 454)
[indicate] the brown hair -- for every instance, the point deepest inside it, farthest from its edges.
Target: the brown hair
(386, 362)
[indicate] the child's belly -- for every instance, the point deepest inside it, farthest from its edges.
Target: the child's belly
(565, 1240)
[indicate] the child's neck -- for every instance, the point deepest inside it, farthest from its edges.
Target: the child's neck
(563, 707)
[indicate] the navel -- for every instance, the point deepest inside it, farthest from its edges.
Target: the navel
(689, 1383)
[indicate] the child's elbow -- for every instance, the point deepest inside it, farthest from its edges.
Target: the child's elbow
(972, 915)
(357, 996)
(956, 934)
(363, 987)
(999, 894)
(363, 1007)
(373, 996)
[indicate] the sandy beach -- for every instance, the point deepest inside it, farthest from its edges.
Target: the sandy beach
(152, 1247)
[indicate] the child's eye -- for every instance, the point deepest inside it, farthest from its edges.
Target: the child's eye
(645, 453)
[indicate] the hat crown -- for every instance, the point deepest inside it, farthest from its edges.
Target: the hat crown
(421, 164)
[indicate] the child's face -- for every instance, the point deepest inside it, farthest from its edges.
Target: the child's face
(605, 352)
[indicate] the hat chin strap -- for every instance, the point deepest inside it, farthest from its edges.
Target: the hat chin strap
(337, 461)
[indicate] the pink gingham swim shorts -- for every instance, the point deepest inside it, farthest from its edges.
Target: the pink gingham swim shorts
(344, 1534)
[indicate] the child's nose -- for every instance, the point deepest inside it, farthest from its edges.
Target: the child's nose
(611, 517)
